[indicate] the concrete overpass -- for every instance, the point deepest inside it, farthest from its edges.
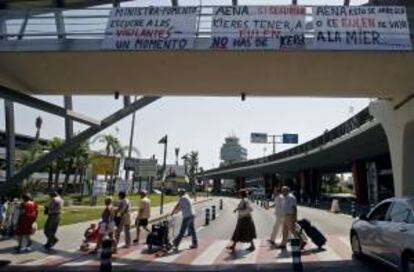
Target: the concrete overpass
(345, 148)
(67, 61)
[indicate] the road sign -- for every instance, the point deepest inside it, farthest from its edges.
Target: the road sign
(260, 138)
(290, 138)
(130, 164)
(146, 168)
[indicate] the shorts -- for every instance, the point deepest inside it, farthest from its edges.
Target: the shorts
(143, 222)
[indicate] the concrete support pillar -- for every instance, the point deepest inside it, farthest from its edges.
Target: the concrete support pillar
(216, 186)
(315, 180)
(240, 183)
(359, 175)
(267, 180)
(10, 139)
(398, 123)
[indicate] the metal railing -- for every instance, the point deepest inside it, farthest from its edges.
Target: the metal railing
(352, 124)
(90, 23)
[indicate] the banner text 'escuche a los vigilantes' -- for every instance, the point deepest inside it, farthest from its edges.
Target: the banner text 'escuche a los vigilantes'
(258, 27)
(360, 28)
(151, 28)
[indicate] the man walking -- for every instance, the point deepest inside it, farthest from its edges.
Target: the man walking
(144, 213)
(185, 204)
(289, 213)
(124, 219)
(53, 210)
(278, 199)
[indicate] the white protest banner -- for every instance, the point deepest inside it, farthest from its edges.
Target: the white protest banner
(151, 28)
(360, 28)
(258, 27)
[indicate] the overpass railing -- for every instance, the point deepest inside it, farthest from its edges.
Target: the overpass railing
(352, 124)
(91, 23)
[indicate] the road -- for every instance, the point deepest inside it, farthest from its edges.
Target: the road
(211, 254)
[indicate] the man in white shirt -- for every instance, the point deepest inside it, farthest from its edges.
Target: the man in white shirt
(144, 213)
(278, 198)
(185, 204)
(289, 212)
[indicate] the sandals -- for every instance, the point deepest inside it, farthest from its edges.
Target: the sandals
(232, 249)
(252, 248)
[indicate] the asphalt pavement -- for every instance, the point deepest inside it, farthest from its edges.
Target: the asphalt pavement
(211, 254)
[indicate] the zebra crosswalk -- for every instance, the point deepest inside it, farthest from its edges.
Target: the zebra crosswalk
(211, 252)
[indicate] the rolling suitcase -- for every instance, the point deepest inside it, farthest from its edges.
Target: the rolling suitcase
(313, 233)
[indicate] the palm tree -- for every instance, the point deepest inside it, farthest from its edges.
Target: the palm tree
(57, 165)
(192, 168)
(81, 162)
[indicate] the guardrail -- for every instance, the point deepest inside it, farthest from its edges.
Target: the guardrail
(352, 124)
(90, 23)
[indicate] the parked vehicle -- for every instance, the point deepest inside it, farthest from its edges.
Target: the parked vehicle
(387, 234)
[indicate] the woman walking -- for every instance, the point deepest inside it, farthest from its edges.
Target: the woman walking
(25, 224)
(107, 225)
(245, 230)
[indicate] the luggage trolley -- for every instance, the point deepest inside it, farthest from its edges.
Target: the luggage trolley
(159, 236)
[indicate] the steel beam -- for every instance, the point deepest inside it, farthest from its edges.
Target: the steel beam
(10, 139)
(42, 105)
(79, 138)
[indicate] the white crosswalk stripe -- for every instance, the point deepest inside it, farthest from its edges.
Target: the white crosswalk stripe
(248, 257)
(211, 253)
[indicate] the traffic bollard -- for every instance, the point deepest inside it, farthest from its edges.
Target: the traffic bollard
(213, 212)
(221, 204)
(207, 216)
(106, 256)
(296, 258)
(353, 211)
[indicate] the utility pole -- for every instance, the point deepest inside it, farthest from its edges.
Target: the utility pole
(164, 140)
(131, 140)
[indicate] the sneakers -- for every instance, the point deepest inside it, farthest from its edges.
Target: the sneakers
(136, 241)
(193, 246)
(281, 247)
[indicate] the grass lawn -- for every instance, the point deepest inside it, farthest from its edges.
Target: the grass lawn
(74, 214)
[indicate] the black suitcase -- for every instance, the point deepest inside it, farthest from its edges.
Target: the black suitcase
(313, 233)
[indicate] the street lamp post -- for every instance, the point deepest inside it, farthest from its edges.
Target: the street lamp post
(164, 140)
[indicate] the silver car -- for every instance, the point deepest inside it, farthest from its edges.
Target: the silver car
(387, 234)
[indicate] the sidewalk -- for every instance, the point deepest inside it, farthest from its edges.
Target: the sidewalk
(70, 237)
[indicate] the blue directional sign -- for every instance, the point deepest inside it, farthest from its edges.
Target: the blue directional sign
(290, 138)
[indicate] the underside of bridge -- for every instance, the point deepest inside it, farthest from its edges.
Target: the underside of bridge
(210, 73)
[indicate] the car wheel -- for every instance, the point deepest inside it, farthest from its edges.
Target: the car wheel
(407, 262)
(356, 246)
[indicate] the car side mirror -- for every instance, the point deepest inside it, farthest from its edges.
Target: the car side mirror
(363, 217)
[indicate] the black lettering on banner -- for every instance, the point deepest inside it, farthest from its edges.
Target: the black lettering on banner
(242, 42)
(261, 42)
(288, 41)
(122, 44)
(219, 42)
(232, 10)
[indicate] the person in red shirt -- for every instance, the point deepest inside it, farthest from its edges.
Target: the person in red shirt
(25, 224)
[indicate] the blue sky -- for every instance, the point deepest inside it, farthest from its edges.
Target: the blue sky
(202, 123)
